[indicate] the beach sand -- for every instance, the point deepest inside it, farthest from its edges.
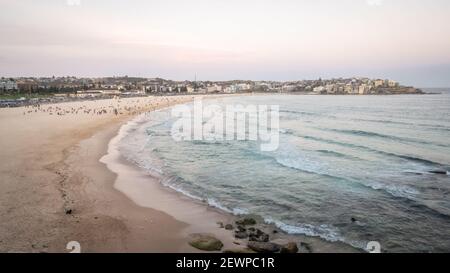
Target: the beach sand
(46, 174)
(63, 180)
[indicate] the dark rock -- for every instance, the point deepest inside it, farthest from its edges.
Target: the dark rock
(275, 231)
(255, 231)
(289, 248)
(247, 221)
(240, 234)
(262, 238)
(258, 236)
(68, 211)
(205, 242)
(306, 246)
(220, 224)
(353, 219)
(263, 247)
(229, 227)
(241, 228)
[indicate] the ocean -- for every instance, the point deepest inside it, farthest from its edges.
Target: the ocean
(352, 169)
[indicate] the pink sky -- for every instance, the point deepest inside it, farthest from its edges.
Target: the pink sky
(218, 40)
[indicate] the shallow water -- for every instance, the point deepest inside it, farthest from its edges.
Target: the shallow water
(369, 158)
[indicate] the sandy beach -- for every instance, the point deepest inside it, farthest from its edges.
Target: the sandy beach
(63, 180)
(53, 191)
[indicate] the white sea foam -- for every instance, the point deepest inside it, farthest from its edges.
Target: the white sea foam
(323, 231)
(235, 211)
(209, 201)
(181, 190)
(326, 232)
(396, 190)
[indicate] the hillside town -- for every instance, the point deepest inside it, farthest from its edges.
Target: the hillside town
(67, 88)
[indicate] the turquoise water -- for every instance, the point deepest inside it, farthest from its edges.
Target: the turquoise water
(370, 158)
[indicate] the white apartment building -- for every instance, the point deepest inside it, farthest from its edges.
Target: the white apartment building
(392, 83)
(378, 83)
(7, 85)
(319, 89)
(364, 89)
(214, 88)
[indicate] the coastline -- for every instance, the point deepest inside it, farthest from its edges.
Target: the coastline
(146, 190)
(60, 192)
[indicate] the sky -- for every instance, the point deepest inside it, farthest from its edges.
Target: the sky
(404, 40)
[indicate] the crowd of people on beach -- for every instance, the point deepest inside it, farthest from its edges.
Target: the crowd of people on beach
(116, 107)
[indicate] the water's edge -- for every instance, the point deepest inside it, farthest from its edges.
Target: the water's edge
(306, 233)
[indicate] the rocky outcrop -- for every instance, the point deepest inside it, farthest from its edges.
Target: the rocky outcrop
(307, 247)
(247, 221)
(263, 247)
(205, 242)
(240, 234)
(257, 235)
(290, 247)
(229, 227)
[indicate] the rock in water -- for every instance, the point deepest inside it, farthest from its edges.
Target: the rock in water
(229, 227)
(263, 247)
(289, 248)
(247, 221)
(306, 246)
(205, 242)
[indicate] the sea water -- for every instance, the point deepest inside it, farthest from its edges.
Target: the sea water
(348, 168)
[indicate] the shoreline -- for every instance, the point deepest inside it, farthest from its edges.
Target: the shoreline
(61, 192)
(199, 215)
(47, 196)
(16, 103)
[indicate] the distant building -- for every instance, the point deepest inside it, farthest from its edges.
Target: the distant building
(89, 93)
(288, 88)
(244, 86)
(214, 88)
(190, 89)
(364, 89)
(27, 86)
(318, 89)
(378, 83)
(392, 83)
(8, 85)
(348, 88)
